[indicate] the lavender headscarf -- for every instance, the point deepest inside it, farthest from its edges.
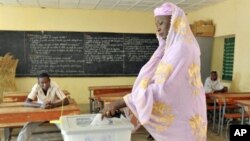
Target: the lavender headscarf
(164, 10)
(168, 97)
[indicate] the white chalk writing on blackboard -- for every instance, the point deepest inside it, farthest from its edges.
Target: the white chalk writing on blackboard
(78, 53)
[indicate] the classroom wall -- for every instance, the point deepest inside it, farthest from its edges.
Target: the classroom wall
(230, 18)
(242, 48)
(224, 27)
(16, 18)
(223, 15)
(217, 58)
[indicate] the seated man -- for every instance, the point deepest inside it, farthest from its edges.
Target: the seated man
(48, 95)
(213, 85)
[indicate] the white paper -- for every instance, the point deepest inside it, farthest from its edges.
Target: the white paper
(99, 121)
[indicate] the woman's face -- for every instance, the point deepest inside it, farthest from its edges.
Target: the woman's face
(163, 24)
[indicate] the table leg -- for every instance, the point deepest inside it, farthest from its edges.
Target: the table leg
(219, 120)
(222, 117)
(214, 115)
(6, 134)
(242, 114)
(90, 102)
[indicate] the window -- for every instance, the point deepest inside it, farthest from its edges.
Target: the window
(228, 58)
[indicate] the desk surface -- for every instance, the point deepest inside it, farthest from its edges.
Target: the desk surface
(16, 112)
(230, 95)
(244, 102)
(91, 88)
(18, 96)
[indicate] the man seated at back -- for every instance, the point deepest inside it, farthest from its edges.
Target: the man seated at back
(213, 85)
(48, 95)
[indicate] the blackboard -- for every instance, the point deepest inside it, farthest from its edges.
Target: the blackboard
(78, 53)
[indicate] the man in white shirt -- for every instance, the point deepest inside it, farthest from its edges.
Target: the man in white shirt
(48, 95)
(213, 85)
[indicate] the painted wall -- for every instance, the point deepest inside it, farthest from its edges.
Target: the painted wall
(241, 62)
(14, 18)
(223, 15)
(230, 18)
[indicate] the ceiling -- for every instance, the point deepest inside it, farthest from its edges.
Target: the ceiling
(128, 5)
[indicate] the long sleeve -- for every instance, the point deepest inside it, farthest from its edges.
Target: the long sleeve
(208, 87)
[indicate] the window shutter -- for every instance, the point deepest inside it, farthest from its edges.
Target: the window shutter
(228, 58)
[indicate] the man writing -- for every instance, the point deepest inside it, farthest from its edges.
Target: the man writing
(48, 95)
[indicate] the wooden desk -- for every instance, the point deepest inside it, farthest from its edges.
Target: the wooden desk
(102, 90)
(14, 114)
(243, 102)
(18, 96)
(245, 105)
(108, 99)
(17, 113)
(97, 92)
(222, 98)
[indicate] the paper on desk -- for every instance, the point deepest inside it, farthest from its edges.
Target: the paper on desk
(99, 121)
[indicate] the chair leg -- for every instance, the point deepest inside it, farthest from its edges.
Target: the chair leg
(221, 126)
(7, 134)
(219, 122)
(228, 122)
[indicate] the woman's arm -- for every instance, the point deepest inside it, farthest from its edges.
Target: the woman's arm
(111, 109)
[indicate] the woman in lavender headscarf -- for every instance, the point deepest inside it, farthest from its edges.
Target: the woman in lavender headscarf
(168, 97)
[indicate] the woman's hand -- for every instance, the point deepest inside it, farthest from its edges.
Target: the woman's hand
(111, 109)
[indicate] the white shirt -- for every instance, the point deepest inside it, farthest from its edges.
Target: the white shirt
(211, 86)
(54, 93)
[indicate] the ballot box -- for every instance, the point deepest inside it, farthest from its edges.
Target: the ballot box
(79, 128)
